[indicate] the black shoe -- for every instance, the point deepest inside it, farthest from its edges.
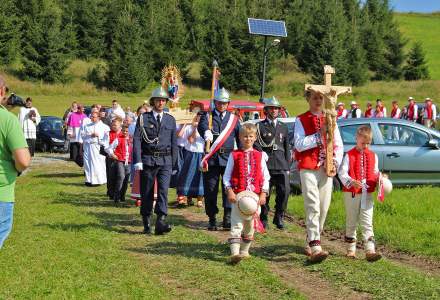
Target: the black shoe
(278, 220)
(212, 224)
(146, 220)
(227, 219)
(161, 226)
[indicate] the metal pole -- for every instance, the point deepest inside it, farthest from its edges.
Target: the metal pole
(263, 77)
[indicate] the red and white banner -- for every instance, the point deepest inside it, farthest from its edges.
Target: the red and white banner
(233, 119)
(136, 187)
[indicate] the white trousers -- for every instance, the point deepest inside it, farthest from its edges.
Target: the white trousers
(317, 189)
(240, 227)
(356, 215)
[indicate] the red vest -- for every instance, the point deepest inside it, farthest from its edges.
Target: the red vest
(429, 111)
(368, 113)
(121, 151)
(238, 179)
(393, 112)
(309, 159)
(112, 135)
(354, 169)
(340, 111)
(411, 111)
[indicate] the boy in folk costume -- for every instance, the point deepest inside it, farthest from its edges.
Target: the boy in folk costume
(355, 111)
(246, 170)
(310, 152)
(429, 114)
(359, 174)
(120, 151)
(412, 110)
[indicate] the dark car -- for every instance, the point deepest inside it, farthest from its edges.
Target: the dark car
(50, 135)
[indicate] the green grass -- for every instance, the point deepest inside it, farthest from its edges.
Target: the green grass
(423, 28)
(69, 241)
(407, 221)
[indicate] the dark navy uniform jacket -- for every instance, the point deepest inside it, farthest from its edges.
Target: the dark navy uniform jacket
(159, 147)
(279, 154)
(221, 157)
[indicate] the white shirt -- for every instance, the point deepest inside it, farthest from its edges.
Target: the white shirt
(397, 115)
(230, 167)
(343, 115)
(155, 113)
(180, 139)
(303, 142)
(199, 143)
(118, 111)
(28, 126)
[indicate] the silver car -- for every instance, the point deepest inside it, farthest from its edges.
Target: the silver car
(407, 151)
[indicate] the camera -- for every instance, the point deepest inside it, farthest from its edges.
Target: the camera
(14, 100)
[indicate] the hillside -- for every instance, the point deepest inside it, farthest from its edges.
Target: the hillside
(425, 29)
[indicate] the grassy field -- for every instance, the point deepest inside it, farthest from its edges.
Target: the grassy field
(70, 242)
(423, 28)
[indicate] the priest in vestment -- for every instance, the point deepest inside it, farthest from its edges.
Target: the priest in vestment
(94, 134)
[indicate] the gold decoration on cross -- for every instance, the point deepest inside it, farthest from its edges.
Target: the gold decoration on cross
(330, 93)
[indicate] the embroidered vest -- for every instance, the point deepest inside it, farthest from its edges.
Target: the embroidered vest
(411, 112)
(244, 178)
(310, 158)
(368, 113)
(394, 112)
(361, 166)
(429, 111)
(121, 150)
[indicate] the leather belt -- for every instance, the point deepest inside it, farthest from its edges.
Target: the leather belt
(159, 153)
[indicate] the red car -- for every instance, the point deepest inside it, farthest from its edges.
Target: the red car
(248, 110)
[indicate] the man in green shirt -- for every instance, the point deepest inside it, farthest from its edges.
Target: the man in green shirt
(14, 158)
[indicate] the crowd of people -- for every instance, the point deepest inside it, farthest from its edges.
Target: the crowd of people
(217, 152)
(425, 114)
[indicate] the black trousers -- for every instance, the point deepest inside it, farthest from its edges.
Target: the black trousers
(111, 175)
(211, 181)
(74, 150)
(121, 175)
(31, 145)
(148, 176)
(280, 181)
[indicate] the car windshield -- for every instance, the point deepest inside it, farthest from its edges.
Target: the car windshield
(403, 135)
(53, 125)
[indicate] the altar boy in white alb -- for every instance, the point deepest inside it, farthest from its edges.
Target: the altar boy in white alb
(359, 173)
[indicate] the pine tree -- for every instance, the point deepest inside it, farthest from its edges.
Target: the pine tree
(325, 44)
(416, 67)
(165, 35)
(89, 19)
(128, 66)
(9, 32)
(355, 55)
(227, 40)
(44, 55)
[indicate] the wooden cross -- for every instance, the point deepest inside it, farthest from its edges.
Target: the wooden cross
(330, 93)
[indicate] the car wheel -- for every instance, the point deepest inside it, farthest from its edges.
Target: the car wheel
(44, 147)
(295, 190)
(66, 147)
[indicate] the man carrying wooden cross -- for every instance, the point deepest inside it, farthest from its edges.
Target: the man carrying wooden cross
(319, 152)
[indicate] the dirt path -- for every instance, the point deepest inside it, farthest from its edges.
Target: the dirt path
(334, 240)
(310, 284)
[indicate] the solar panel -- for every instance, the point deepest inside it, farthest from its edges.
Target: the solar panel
(267, 27)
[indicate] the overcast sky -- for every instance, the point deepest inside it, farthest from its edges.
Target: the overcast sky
(416, 5)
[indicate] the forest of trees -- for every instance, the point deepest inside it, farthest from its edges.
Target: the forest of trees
(137, 38)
